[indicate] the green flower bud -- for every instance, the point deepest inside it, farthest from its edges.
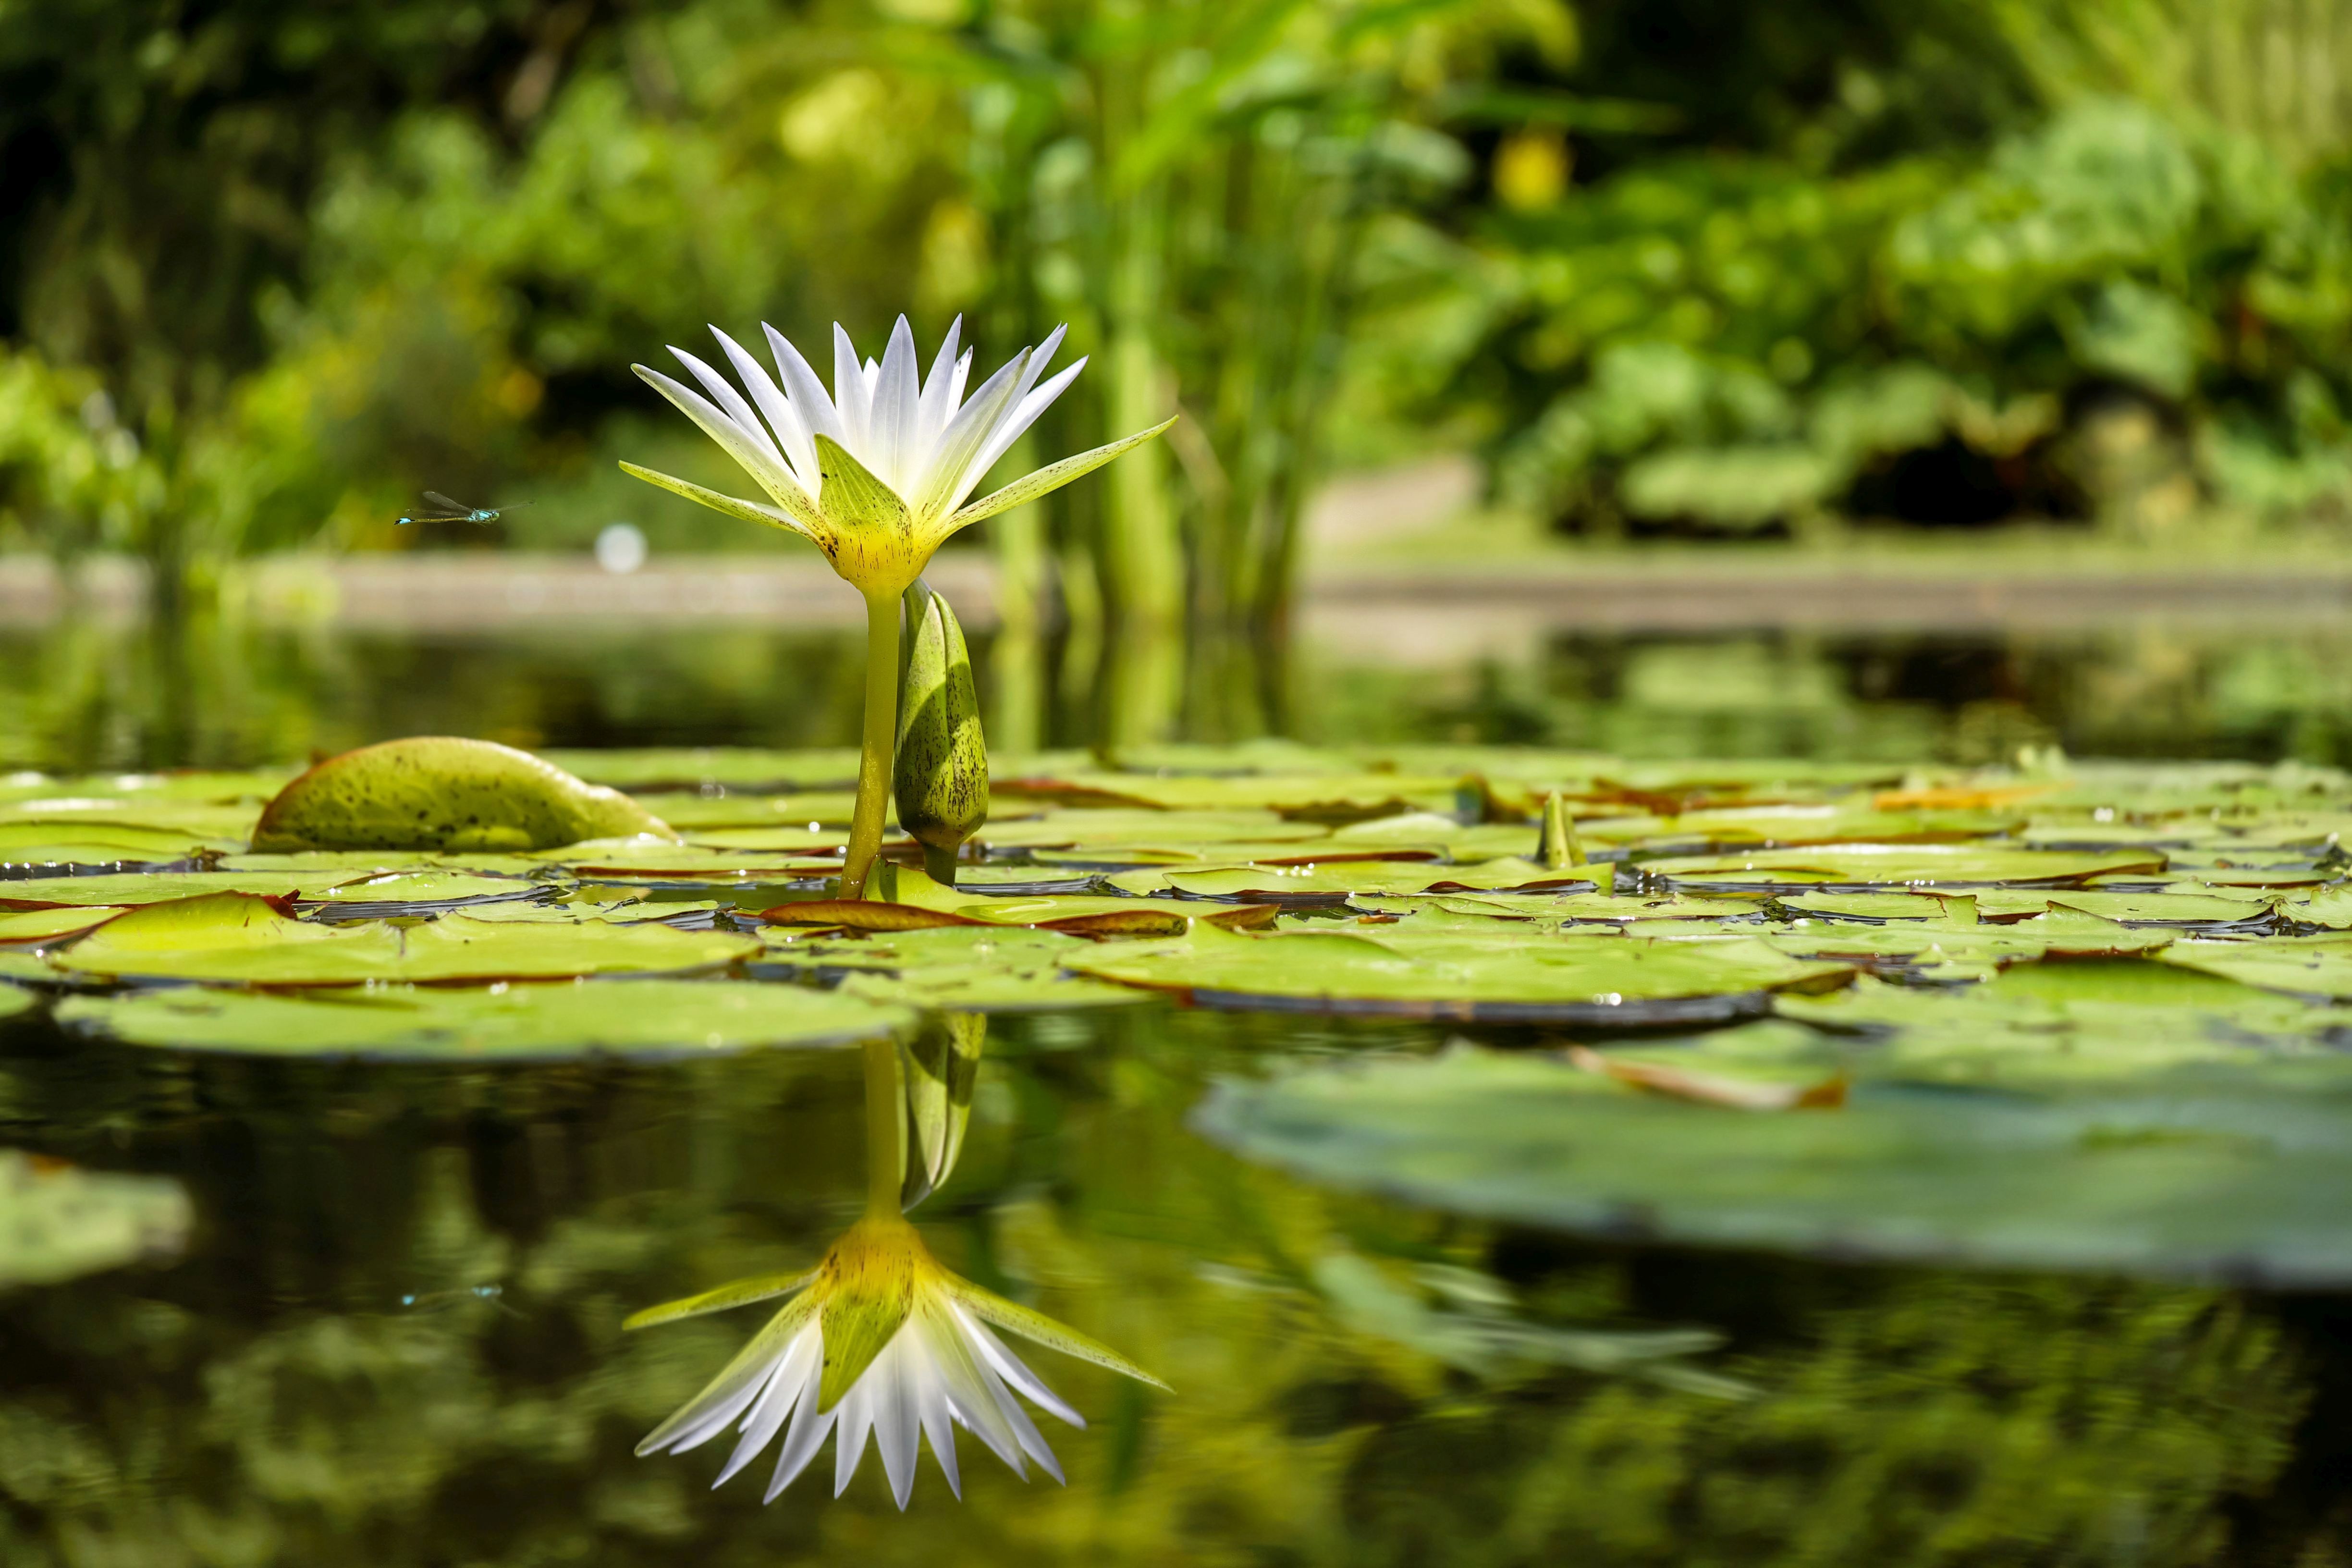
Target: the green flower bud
(940, 1065)
(1559, 848)
(941, 774)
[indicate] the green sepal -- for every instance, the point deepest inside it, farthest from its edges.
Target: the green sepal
(1049, 478)
(748, 510)
(755, 1359)
(737, 1293)
(851, 497)
(1032, 1325)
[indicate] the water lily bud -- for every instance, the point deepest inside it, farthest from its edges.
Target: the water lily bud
(941, 775)
(941, 1065)
(1559, 848)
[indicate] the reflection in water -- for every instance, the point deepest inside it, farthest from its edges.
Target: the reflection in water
(263, 1401)
(879, 1338)
(217, 690)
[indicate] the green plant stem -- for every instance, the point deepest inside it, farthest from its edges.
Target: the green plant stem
(886, 1129)
(879, 743)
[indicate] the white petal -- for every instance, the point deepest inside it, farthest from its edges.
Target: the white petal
(850, 394)
(854, 1417)
(807, 1435)
(809, 396)
(938, 399)
(897, 407)
(1010, 430)
(722, 392)
(952, 455)
(896, 1426)
(1031, 1441)
(767, 1417)
(973, 1392)
(791, 431)
(931, 1405)
(1009, 1367)
(757, 456)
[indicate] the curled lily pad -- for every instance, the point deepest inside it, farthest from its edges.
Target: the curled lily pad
(59, 1221)
(1609, 981)
(505, 1022)
(2166, 1179)
(237, 939)
(444, 791)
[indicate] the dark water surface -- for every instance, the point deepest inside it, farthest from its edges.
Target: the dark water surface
(394, 1336)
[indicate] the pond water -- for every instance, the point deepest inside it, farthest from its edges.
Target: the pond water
(394, 1333)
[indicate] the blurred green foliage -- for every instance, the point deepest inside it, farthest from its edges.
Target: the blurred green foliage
(2028, 256)
(274, 267)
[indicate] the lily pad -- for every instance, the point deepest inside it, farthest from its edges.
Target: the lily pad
(1333, 882)
(2169, 1178)
(1860, 866)
(237, 939)
(59, 1221)
(966, 968)
(1609, 981)
(505, 1022)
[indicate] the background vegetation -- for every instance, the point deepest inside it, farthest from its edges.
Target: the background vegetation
(1688, 267)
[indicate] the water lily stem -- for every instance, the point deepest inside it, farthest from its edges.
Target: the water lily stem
(886, 1128)
(880, 742)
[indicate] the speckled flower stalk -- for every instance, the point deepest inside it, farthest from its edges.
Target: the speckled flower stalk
(879, 1338)
(876, 475)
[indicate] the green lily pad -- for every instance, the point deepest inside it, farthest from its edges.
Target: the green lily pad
(727, 767)
(1123, 829)
(237, 939)
(2182, 1178)
(1860, 866)
(31, 926)
(504, 1022)
(1331, 798)
(694, 811)
(102, 843)
(966, 968)
(2309, 966)
(1606, 979)
(59, 1221)
(1332, 882)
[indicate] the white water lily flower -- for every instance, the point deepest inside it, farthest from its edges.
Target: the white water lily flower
(880, 1340)
(877, 474)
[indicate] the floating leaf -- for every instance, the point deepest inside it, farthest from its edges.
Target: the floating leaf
(1602, 980)
(1858, 867)
(2184, 1179)
(235, 938)
(617, 1017)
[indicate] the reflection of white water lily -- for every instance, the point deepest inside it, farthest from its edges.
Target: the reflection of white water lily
(877, 472)
(879, 1339)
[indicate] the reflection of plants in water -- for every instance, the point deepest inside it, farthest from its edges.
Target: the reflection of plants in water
(879, 1338)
